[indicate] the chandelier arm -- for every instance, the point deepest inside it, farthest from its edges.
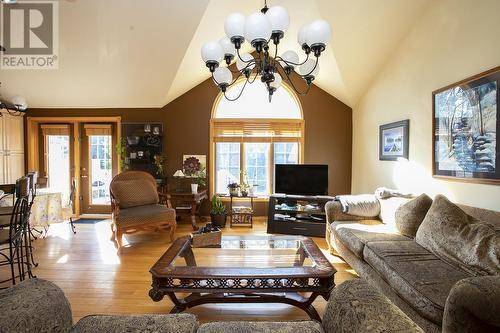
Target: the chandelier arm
(254, 78)
(239, 95)
(246, 67)
(293, 85)
(312, 70)
(279, 58)
(239, 56)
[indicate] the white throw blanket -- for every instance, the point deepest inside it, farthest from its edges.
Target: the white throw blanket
(361, 205)
(384, 192)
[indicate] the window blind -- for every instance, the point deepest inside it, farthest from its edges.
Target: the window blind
(261, 130)
(55, 129)
(98, 129)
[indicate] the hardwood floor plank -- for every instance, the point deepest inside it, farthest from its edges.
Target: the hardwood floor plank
(97, 280)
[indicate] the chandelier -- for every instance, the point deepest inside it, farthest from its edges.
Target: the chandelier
(16, 107)
(263, 30)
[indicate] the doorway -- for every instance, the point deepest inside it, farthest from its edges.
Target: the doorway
(76, 154)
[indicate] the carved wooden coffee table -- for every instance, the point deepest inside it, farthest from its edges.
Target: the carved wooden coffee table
(256, 269)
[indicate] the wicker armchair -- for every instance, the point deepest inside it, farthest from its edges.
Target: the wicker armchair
(137, 206)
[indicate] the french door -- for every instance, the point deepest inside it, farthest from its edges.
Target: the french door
(98, 165)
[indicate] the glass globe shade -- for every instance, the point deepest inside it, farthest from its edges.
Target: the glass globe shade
(241, 64)
(223, 75)
(307, 67)
(279, 18)
(302, 35)
(227, 46)
(277, 81)
(319, 32)
(212, 51)
(20, 102)
(290, 56)
(257, 26)
(234, 26)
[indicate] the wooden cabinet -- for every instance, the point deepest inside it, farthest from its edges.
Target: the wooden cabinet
(11, 148)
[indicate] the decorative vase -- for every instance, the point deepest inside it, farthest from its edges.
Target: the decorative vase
(194, 188)
(244, 193)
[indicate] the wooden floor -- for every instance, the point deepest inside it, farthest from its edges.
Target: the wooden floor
(97, 280)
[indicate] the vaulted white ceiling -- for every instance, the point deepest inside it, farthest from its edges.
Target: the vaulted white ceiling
(130, 53)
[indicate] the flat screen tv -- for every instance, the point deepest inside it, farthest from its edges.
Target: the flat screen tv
(301, 179)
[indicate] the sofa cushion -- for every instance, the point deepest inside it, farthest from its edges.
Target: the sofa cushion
(458, 238)
(355, 306)
(134, 192)
(261, 327)
(410, 215)
(415, 274)
(355, 234)
(174, 323)
(145, 214)
(388, 209)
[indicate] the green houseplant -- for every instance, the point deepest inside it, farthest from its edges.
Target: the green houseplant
(218, 213)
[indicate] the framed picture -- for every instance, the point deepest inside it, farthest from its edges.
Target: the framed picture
(394, 140)
(465, 124)
(194, 165)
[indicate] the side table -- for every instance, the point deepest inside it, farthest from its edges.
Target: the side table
(240, 215)
(193, 200)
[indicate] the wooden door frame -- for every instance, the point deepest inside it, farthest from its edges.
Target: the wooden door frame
(32, 143)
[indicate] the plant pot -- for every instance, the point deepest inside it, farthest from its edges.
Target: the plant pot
(244, 193)
(233, 192)
(194, 188)
(218, 220)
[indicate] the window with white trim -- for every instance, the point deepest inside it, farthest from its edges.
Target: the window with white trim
(250, 136)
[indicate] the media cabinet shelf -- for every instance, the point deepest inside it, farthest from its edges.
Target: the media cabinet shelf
(297, 215)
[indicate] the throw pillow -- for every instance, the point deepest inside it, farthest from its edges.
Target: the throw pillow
(455, 237)
(136, 192)
(410, 215)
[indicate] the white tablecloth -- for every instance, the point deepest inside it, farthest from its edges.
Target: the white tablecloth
(47, 208)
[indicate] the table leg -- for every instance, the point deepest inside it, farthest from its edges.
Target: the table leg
(193, 216)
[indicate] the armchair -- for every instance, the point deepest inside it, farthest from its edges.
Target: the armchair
(136, 205)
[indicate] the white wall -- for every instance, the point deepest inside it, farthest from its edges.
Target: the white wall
(454, 39)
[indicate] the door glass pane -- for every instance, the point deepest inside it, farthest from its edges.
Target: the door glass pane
(286, 153)
(58, 164)
(257, 166)
(227, 165)
(100, 168)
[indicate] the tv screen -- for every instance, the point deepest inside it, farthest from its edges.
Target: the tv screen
(301, 179)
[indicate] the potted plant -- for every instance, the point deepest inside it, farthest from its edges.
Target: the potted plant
(193, 169)
(244, 188)
(233, 189)
(218, 213)
(159, 162)
(199, 180)
(121, 151)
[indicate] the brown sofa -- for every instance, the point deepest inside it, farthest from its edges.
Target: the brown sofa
(415, 279)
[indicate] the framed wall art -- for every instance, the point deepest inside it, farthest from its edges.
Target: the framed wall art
(394, 140)
(465, 124)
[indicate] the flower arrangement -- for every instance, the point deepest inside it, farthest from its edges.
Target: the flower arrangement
(159, 162)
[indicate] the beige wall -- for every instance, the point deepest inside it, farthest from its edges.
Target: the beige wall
(453, 40)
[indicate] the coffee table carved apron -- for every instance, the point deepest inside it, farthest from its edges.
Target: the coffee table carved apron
(257, 269)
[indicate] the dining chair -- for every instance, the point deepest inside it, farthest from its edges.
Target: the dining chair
(67, 210)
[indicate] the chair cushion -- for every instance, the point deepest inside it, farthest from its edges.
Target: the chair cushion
(261, 327)
(149, 214)
(410, 215)
(134, 192)
(415, 274)
(355, 234)
(174, 323)
(460, 239)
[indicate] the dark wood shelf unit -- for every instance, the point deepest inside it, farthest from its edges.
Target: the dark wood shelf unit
(297, 215)
(149, 144)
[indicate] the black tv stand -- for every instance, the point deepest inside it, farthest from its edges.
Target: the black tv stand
(297, 215)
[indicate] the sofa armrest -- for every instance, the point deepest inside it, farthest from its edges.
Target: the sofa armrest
(473, 305)
(334, 212)
(34, 306)
(355, 306)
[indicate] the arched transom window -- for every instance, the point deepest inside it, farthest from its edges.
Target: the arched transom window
(249, 136)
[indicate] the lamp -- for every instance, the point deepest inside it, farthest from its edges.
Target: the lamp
(178, 175)
(264, 31)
